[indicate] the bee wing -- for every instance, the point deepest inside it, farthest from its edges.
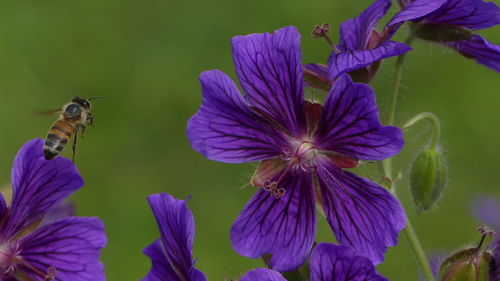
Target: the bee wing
(49, 112)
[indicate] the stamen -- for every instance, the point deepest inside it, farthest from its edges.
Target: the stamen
(278, 192)
(321, 32)
(51, 274)
(485, 231)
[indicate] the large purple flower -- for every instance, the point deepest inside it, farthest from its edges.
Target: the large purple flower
(361, 47)
(171, 254)
(450, 21)
(63, 249)
(328, 263)
(304, 148)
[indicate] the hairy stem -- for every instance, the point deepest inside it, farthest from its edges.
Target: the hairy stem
(435, 125)
(387, 165)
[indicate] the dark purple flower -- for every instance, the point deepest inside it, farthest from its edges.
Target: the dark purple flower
(328, 263)
(361, 46)
(171, 255)
(304, 146)
(62, 249)
(494, 274)
(449, 22)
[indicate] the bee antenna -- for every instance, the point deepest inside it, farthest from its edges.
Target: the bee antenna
(98, 97)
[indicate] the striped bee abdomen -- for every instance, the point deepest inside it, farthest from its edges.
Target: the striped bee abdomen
(57, 138)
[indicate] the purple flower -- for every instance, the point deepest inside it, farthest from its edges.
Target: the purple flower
(361, 46)
(304, 146)
(450, 21)
(328, 263)
(62, 249)
(171, 254)
(494, 274)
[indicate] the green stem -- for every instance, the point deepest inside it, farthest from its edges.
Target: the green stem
(435, 125)
(387, 165)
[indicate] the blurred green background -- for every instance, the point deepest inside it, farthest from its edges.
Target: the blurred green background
(146, 57)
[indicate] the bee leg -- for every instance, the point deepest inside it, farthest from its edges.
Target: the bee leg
(75, 139)
(90, 120)
(83, 130)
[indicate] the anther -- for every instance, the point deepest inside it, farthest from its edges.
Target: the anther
(51, 274)
(321, 32)
(486, 231)
(278, 192)
(269, 186)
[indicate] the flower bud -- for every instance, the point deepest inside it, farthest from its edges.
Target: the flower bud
(428, 178)
(470, 264)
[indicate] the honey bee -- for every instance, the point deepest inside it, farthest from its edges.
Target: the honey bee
(73, 117)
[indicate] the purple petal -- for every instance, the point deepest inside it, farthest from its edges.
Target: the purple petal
(351, 60)
(161, 270)
(415, 10)
(38, 184)
(270, 71)
(354, 33)
(283, 227)
(361, 213)
(176, 225)
(480, 49)
(262, 274)
(225, 128)
(486, 209)
(70, 245)
(3, 207)
(494, 274)
(340, 263)
(472, 14)
(349, 124)
(64, 209)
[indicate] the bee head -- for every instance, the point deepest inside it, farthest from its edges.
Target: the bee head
(82, 101)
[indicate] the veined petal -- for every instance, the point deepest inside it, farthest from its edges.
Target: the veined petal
(225, 128)
(283, 227)
(478, 48)
(62, 210)
(38, 185)
(351, 60)
(361, 213)
(262, 274)
(3, 206)
(270, 71)
(161, 270)
(354, 33)
(494, 274)
(472, 14)
(416, 10)
(349, 124)
(176, 225)
(340, 263)
(70, 245)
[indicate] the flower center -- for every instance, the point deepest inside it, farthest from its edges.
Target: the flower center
(8, 252)
(9, 259)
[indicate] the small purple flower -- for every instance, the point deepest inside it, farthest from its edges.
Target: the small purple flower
(304, 148)
(361, 46)
(171, 255)
(328, 263)
(450, 21)
(63, 249)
